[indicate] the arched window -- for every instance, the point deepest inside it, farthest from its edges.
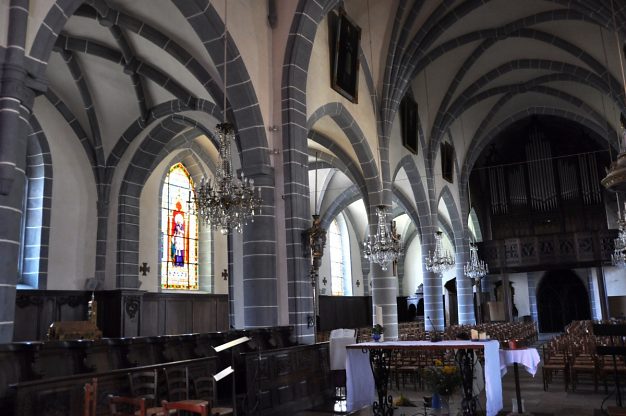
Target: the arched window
(179, 232)
(340, 270)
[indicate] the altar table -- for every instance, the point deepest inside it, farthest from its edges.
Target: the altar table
(360, 387)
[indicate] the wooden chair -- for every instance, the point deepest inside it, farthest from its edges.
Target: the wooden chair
(177, 380)
(126, 406)
(144, 385)
(585, 364)
(553, 364)
(91, 398)
(199, 408)
(205, 388)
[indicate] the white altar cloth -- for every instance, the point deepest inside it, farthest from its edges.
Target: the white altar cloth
(360, 388)
(528, 357)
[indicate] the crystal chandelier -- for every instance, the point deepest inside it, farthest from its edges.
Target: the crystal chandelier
(475, 268)
(438, 261)
(384, 247)
(227, 203)
(618, 258)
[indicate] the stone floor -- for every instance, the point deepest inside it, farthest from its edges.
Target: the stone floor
(555, 402)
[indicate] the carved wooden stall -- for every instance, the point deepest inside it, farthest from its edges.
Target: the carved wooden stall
(287, 380)
(46, 378)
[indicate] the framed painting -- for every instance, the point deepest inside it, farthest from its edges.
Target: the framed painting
(409, 123)
(447, 162)
(344, 37)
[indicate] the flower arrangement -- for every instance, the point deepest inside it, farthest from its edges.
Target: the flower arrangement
(378, 329)
(442, 379)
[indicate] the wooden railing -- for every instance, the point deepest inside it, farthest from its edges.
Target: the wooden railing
(541, 251)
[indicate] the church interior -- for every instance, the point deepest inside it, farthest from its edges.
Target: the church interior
(196, 195)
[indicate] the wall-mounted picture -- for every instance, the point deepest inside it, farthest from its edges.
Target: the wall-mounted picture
(344, 37)
(409, 123)
(447, 162)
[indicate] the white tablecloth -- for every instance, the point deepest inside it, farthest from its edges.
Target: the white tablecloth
(339, 339)
(361, 391)
(528, 357)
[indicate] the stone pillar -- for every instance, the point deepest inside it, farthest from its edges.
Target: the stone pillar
(604, 300)
(433, 299)
(464, 288)
(384, 294)
(259, 261)
(532, 295)
(16, 100)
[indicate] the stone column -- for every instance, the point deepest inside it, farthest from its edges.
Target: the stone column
(604, 301)
(532, 295)
(433, 299)
(259, 261)
(464, 288)
(16, 100)
(384, 294)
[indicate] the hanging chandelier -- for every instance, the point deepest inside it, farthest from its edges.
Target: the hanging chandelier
(618, 258)
(475, 268)
(438, 261)
(385, 246)
(227, 203)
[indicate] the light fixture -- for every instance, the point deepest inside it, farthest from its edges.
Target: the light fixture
(384, 247)
(618, 258)
(227, 203)
(475, 268)
(438, 261)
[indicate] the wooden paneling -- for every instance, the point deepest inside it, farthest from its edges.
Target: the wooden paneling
(543, 252)
(345, 312)
(284, 381)
(121, 313)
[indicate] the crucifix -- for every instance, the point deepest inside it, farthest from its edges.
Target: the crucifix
(225, 274)
(144, 269)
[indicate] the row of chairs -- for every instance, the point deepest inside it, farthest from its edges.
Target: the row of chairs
(144, 394)
(572, 355)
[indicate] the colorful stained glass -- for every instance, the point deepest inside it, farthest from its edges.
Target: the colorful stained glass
(179, 231)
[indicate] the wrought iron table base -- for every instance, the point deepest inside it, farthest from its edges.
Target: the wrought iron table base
(465, 359)
(380, 361)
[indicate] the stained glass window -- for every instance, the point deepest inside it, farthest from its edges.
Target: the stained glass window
(336, 259)
(179, 232)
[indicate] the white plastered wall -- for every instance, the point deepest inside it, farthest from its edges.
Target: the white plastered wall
(73, 221)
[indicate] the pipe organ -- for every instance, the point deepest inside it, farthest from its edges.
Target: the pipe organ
(544, 183)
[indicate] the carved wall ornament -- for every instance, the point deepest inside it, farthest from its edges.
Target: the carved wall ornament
(131, 304)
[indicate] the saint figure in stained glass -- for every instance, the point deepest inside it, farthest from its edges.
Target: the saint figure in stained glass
(179, 230)
(178, 250)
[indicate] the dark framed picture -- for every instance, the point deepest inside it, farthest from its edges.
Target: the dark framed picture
(409, 123)
(344, 37)
(447, 162)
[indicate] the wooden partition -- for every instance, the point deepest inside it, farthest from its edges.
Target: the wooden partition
(287, 380)
(121, 313)
(274, 377)
(354, 312)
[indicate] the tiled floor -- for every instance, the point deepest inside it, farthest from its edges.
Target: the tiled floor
(555, 402)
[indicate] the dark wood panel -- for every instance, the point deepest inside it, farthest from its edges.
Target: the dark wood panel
(121, 313)
(150, 311)
(202, 314)
(284, 381)
(176, 316)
